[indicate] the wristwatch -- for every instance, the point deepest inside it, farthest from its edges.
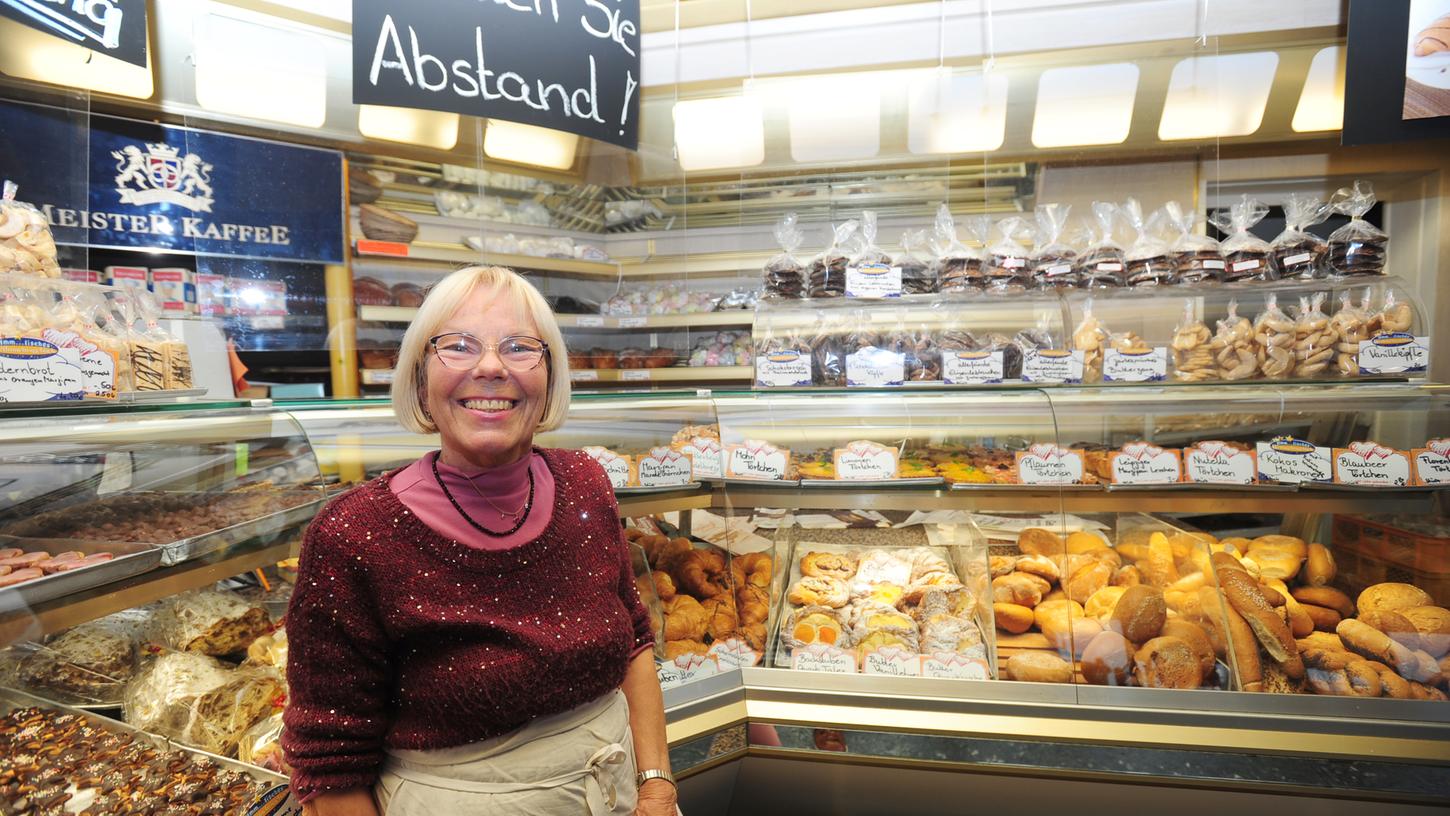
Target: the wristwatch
(653, 773)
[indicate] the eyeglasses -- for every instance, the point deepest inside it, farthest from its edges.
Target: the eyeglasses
(463, 351)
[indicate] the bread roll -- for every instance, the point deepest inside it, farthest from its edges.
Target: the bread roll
(1433, 624)
(1197, 640)
(1056, 613)
(1367, 641)
(1325, 619)
(1134, 550)
(1161, 569)
(1000, 565)
(1249, 600)
(1319, 568)
(1300, 623)
(1100, 606)
(1234, 544)
(1041, 566)
(1139, 615)
(1394, 624)
(1275, 563)
(1070, 638)
(1038, 667)
(1055, 595)
(1188, 583)
(1088, 579)
(1037, 541)
(1011, 617)
(1018, 588)
(1392, 596)
(1166, 662)
(1292, 544)
(1325, 596)
(1321, 640)
(1393, 685)
(1108, 660)
(1082, 542)
(1106, 554)
(1127, 576)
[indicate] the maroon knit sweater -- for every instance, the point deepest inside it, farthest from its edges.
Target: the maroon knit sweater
(400, 638)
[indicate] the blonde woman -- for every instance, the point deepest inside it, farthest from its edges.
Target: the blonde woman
(466, 637)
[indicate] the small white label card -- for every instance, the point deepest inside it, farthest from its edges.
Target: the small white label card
(705, 457)
(756, 459)
(98, 367)
(954, 666)
(664, 467)
(583, 375)
(783, 369)
(1290, 460)
(1215, 462)
(872, 366)
(972, 367)
(823, 658)
(1432, 463)
(865, 460)
(1370, 463)
(1148, 365)
(614, 464)
(636, 374)
(1052, 366)
(891, 660)
(32, 370)
(873, 280)
(1142, 463)
(589, 321)
(633, 322)
(1047, 464)
(686, 668)
(734, 653)
(1394, 353)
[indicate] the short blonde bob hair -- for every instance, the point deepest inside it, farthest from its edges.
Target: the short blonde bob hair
(410, 376)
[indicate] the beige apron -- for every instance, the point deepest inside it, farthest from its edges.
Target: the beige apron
(571, 764)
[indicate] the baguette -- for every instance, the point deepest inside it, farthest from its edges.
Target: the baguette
(1238, 638)
(1325, 596)
(1319, 568)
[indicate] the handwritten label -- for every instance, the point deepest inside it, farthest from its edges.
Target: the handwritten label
(587, 375)
(116, 473)
(686, 668)
(33, 370)
(875, 280)
(705, 457)
(663, 467)
(633, 322)
(1052, 366)
(1290, 460)
(1432, 463)
(734, 653)
(954, 666)
(822, 658)
(634, 374)
(892, 661)
(1394, 353)
(1214, 462)
(1150, 365)
(1368, 463)
(614, 464)
(98, 367)
(783, 369)
(972, 367)
(1139, 463)
(589, 322)
(865, 460)
(1047, 464)
(756, 460)
(872, 366)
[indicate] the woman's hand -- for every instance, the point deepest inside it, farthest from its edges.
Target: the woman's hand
(355, 802)
(656, 798)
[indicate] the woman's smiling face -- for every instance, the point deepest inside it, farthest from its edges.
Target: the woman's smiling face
(486, 414)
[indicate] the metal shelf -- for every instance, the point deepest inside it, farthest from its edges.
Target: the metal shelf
(734, 317)
(658, 375)
(425, 255)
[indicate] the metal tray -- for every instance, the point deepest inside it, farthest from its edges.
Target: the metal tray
(158, 396)
(132, 558)
(916, 481)
(196, 546)
(1358, 488)
(1071, 488)
(762, 482)
(1271, 487)
(646, 491)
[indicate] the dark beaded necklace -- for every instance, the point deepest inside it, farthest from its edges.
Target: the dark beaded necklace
(523, 517)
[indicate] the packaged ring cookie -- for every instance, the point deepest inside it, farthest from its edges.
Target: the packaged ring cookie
(1147, 257)
(784, 274)
(1234, 347)
(958, 268)
(1054, 262)
(1196, 256)
(1314, 338)
(1274, 336)
(1193, 359)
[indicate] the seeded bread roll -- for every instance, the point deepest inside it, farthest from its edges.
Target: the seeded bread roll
(1108, 660)
(1319, 567)
(1392, 596)
(1249, 600)
(1038, 667)
(1321, 640)
(1197, 640)
(1166, 662)
(1139, 615)
(1325, 596)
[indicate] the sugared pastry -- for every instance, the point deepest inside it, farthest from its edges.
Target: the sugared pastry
(829, 565)
(883, 637)
(815, 624)
(814, 590)
(882, 567)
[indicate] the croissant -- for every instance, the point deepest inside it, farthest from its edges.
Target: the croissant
(664, 585)
(753, 604)
(675, 648)
(701, 573)
(670, 552)
(1434, 39)
(720, 616)
(754, 634)
(685, 619)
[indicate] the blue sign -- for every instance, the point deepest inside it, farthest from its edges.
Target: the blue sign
(108, 182)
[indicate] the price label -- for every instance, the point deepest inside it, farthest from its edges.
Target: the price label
(1432, 463)
(756, 460)
(822, 658)
(1139, 463)
(1047, 464)
(892, 661)
(663, 467)
(268, 323)
(98, 367)
(1212, 264)
(972, 367)
(1293, 461)
(954, 666)
(587, 375)
(1368, 463)
(589, 321)
(1245, 266)
(633, 322)
(32, 370)
(116, 470)
(1394, 353)
(634, 374)
(705, 457)
(615, 465)
(686, 668)
(1149, 365)
(873, 281)
(1052, 366)
(782, 369)
(1214, 462)
(864, 460)
(1112, 266)
(734, 653)
(874, 367)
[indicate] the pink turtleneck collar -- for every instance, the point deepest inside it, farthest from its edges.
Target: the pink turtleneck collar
(506, 486)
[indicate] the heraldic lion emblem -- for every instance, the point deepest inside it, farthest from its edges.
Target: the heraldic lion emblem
(161, 175)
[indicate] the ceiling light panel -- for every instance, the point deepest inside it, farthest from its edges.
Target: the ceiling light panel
(1085, 105)
(436, 129)
(1217, 96)
(1321, 105)
(835, 118)
(527, 144)
(260, 72)
(714, 134)
(956, 113)
(34, 55)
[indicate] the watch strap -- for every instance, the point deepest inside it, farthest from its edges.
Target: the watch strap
(653, 773)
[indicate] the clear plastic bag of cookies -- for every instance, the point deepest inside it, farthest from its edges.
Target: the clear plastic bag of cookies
(1007, 267)
(1103, 264)
(177, 353)
(1357, 248)
(26, 244)
(1296, 253)
(923, 356)
(1314, 338)
(958, 268)
(1393, 318)
(1196, 256)
(1147, 257)
(1193, 359)
(1274, 336)
(1245, 255)
(1091, 338)
(1351, 324)
(784, 274)
(828, 348)
(1033, 338)
(1054, 261)
(827, 276)
(868, 255)
(918, 277)
(1235, 349)
(200, 701)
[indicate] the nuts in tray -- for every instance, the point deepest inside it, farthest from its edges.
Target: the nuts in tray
(159, 518)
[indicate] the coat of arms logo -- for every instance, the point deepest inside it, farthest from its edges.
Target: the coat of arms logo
(162, 175)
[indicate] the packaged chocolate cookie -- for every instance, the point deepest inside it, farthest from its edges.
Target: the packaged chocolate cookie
(919, 343)
(1034, 338)
(1146, 259)
(918, 277)
(1297, 253)
(1351, 324)
(1007, 268)
(1104, 263)
(1357, 248)
(977, 358)
(784, 356)
(828, 348)
(1193, 359)
(871, 271)
(1234, 346)
(828, 269)
(1196, 256)
(784, 275)
(1245, 255)
(1274, 335)
(958, 268)
(1314, 338)
(1091, 338)
(1054, 261)
(875, 353)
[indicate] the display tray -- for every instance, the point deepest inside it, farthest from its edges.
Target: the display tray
(132, 558)
(1360, 488)
(157, 396)
(646, 491)
(1271, 487)
(915, 481)
(207, 543)
(1073, 488)
(761, 482)
(12, 679)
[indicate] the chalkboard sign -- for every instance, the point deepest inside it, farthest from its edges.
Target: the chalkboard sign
(570, 65)
(116, 28)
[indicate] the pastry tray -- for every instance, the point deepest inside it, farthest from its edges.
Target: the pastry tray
(158, 396)
(1072, 488)
(646, 491)
(132, 558)
(196, 546)
(1359, 488)
(916, 481)
(761, 482)
(20, 651)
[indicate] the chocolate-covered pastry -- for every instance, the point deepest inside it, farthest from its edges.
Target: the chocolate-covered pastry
(1301, 260)
(917, 276)
(1357, 248)
(1196, 257)
(1147, 262)
(784, 274)
(1155, 270)
(828, 276)
(1297, 253)
(960, 274)
(1245, 255)
(923, 357)
(828, 354)
(1054, 263)
(1199, 265)
(1008, 268)
(1103, 267)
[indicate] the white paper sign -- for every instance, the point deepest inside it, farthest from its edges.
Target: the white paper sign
(98, 367)
(1139, 463)
(589, 321)
(686, 668)
(33, 370)
(972, 367)
(873, 281)
(633, 322)
(1394, 353)
(616, 466)
(756, 460)
(1290, 460)
(1368, 463)
(1047, 464)
(733, 653)
(823, 658)
(705, 457)
(1135, 366)
(863, 460)
(875, 367)
(1052, 366)
(783, 369)
(954, 666)
(634, 374)
(586, 375)
(893, 661)
(1214, 462)
(1432, 463)
(663, 467)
